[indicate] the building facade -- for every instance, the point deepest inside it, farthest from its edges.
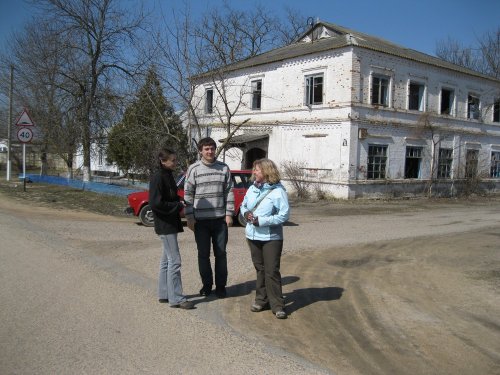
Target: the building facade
(358, 115)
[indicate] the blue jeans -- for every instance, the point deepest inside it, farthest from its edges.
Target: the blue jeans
(212, 232)
(169, 281)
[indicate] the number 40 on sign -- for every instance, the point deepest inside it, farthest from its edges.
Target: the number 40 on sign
(25, 135)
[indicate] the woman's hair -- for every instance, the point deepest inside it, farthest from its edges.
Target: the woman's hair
(165, 154)
(269, 170)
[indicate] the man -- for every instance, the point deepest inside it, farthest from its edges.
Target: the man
(209, 212)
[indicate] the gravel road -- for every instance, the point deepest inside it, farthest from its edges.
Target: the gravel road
(366, 291)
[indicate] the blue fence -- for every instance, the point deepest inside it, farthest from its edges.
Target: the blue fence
(97, 187)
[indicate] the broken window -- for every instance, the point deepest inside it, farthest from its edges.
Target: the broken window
(314, 89)
(380, 90)
(496, 111)
(256, 94)
(495, 164)
(413, 162)
(445, 162)
(471, 160)
(209, 101)
(472, 107)
(416, 96)
(447, 99)
(377, 161)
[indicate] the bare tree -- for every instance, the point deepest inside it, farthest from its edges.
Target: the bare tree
(192, 52)
(96, 35)
(484, 57)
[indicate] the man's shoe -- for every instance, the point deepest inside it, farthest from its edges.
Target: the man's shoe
(220, 292)
(163, 300)
(281, 314)
(256, 308)
(186, 305)
(204, 292)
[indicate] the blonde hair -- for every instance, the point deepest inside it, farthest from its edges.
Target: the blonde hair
(269, 170)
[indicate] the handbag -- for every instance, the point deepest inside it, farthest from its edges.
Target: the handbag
(242, 218)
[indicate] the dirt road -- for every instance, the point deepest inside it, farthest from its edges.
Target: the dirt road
(371, 290)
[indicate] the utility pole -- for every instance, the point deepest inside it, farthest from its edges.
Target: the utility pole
(9, 125)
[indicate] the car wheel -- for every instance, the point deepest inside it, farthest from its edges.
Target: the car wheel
(241, 220)
(146, 216)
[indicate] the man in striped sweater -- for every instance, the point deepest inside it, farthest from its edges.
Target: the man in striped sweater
(209, 212)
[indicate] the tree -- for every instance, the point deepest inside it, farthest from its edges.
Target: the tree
(193, 51)
(148, 124)
(96, 35)
(38, 87)
(483, 57)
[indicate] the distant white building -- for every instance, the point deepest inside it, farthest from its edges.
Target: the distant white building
(364, 116)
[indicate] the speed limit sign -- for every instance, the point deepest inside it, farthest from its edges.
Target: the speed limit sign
(25, 135)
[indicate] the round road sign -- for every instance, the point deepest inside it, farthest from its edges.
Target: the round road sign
(25, 135)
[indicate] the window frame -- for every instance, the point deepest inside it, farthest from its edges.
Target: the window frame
(387, 97)
(376, 164)
(310, 89)
(496, 111)
(445, 163)
(451, 101)
(495, 164)
(209, 100)
(473, 100)
(410, 160)
(256, 97)
(421, 96)
(471, 164)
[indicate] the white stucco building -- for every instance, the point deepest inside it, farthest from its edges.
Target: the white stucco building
(366, 117)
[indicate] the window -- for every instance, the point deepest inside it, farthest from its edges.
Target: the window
(209, 101)
(377, 161)
(100, 156)
(447, 100)
(471, 160)
(314, 89)
(496, 111)
(495, 164)
(256, 94)
(380, 90)
(416, 96)
(413, 161)
(444, 163)
(472, 107)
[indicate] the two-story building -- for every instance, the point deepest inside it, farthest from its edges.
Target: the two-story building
(360, 115)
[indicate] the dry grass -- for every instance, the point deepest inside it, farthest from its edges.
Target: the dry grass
(56, 196)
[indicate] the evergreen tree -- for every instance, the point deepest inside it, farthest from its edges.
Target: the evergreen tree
(149, 123)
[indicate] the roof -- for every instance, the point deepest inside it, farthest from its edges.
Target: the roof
(246, 138)
(336, 37)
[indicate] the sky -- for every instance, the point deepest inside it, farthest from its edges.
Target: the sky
(416, 24)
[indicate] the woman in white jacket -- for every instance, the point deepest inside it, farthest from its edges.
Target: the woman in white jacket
(265, 208)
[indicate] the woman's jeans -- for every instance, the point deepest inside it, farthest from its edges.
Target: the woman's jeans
(266, 256)
(169, 281)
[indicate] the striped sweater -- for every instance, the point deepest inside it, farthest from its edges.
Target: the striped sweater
(208, 191)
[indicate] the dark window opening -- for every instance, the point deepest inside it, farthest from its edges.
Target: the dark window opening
(256, 94)
(209, 101)
(496, 111)
(413, 162)
(416, 97)
(446, 101)
(472, 107)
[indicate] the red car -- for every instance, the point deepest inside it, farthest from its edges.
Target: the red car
(139, 201)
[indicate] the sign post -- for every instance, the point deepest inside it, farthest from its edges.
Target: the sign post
(24, 135)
